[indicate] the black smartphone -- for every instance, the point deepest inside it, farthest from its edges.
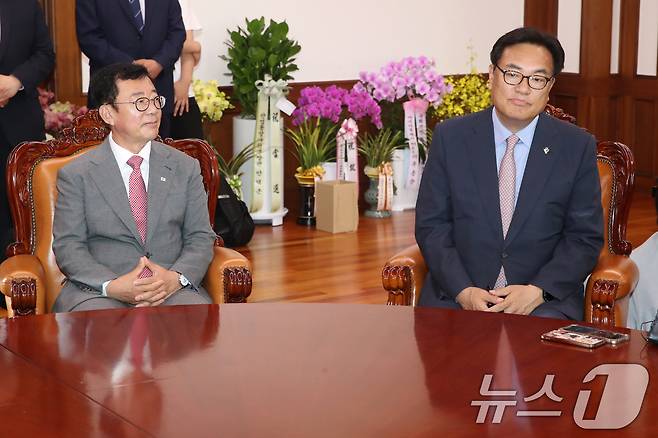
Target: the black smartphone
(609, 336)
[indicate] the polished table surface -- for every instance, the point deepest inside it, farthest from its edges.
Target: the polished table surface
(302, 370)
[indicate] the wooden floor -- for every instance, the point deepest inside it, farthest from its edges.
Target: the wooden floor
(292, 263)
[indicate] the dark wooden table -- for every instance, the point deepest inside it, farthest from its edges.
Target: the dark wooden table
(303, 370)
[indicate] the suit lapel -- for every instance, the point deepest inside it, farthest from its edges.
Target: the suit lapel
(107, 177)
(537, 170)
(482, 153)
(161, 172)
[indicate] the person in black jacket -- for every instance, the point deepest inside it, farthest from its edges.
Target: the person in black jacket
(26, 59)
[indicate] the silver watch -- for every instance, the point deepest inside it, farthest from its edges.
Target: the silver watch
(183, 280)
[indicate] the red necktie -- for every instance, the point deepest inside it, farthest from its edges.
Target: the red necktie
(138, 202)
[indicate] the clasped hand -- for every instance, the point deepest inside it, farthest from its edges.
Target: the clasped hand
(518, 299)
(148, 291)
(9, 86)
(152, 66)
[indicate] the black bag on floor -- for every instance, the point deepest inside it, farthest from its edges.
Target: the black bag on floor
(232, 220)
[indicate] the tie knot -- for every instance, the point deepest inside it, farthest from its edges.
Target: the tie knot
(135, 161)
(512, 140)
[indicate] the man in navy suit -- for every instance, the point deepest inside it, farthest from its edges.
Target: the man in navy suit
(509, 215)
(146, 32)
(26, 59)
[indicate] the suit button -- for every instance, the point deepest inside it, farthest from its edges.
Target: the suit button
(504, 255)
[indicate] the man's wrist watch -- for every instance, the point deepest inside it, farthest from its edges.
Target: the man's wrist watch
(183, 280)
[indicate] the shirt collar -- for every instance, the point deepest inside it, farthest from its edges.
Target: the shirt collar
(122, 155)
(501, 133)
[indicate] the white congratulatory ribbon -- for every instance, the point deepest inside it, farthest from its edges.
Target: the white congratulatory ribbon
(269, 126)
(415, 131)
(385, 187)
(346, 153)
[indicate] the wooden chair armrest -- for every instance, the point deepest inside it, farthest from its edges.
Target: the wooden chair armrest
(228, 279)
(22, 283)
(403, 277)
(608, 290)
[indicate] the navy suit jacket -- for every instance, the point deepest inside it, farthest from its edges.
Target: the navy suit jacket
(26, 52)
(556, 232)
(108, 34)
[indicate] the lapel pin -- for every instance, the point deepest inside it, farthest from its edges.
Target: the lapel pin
(162, 178)
(546, 150)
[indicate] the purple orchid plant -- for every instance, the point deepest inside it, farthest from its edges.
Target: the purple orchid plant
(336, 103)
(410, 78)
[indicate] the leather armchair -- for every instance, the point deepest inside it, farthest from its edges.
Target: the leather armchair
(615, 276)
(30, 278)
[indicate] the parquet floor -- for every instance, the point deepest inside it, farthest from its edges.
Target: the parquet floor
(292, 263)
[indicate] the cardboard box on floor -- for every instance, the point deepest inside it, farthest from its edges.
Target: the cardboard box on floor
(337, 206)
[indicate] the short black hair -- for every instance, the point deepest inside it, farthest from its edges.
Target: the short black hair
(103, 86)
(530, 35)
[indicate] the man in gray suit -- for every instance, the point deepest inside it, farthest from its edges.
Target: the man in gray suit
(131, 223)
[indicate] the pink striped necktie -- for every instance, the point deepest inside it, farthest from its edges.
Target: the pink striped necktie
(138, 201)
(507, 191)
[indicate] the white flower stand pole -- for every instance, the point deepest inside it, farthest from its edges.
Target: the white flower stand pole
(405, 197)
(243, 135)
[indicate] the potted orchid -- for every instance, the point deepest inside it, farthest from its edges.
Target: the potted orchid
(317, 136)
(212, 102)
(328, 107)
(378, 151)
(212, 105)
(469, 93)
(406, 89)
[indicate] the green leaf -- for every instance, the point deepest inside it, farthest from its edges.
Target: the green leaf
(257, 54)
(272, 61)
(245, 88)
(256, 26)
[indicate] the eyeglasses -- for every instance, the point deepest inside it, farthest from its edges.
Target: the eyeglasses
(513, 77)
(143, 103)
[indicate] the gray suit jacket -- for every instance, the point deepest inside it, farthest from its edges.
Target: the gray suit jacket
(556, 232)
(95, 235)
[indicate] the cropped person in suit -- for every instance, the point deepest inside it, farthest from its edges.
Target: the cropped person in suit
(509, 215)
(131, 223)
(146, 32)
(26, 59)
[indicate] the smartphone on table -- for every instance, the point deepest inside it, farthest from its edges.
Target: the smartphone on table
(572, 338)
(611, 337)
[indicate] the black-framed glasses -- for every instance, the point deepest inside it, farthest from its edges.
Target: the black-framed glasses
(513, 77)
(143, 103)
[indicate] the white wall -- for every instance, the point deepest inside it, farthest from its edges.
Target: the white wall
(648, 38)
(340, 38)
(568, 32)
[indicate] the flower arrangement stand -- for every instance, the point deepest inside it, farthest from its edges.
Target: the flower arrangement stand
(243, 135)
